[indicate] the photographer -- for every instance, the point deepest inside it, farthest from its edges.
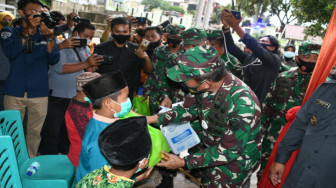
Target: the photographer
(262, 66)
(30, 48)
(62, 82)
(66, 29)
(125, 57)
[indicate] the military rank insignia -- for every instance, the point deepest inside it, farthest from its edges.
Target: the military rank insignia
(322, 103)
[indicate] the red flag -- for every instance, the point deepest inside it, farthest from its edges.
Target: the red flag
(325, 62)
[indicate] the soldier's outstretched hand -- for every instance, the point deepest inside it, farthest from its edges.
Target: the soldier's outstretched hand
(173, 161)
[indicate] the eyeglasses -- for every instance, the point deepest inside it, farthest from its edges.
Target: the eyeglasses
(194, 89)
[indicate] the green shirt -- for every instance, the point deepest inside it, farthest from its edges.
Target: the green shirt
(103, 178)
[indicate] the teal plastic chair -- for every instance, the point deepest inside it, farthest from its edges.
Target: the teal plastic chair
(8, 166)
(55, 171)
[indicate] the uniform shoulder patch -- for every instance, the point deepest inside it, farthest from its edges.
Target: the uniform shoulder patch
(6, 35)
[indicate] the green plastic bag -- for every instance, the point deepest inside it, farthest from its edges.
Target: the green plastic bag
(141, 105)
(159, 142)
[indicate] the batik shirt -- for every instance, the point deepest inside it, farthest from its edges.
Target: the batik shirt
(103, 178)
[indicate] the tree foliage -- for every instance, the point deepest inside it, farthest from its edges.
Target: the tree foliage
(152, 3)
(282, 10)
(164, 5)
(253, 8)
(317, 13)
(173, 8)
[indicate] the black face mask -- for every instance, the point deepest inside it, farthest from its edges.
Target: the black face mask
(141, 32)
(6, 24)
(121, 39)
(288, 59)
(308, 66)
(264, 45)
(174, 42)
(153, 45)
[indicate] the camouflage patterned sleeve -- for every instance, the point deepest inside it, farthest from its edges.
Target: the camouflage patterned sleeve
(161, 76)
(152, 84)
(165, 88)
(243, 123)
(268, 107)
(234, 66)
(185, 112)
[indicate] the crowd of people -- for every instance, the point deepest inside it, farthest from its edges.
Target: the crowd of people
(75, 97)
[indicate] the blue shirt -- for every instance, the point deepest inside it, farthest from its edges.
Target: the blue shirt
(64, 84)
(29, 71)
(4, 65)
(90, 157)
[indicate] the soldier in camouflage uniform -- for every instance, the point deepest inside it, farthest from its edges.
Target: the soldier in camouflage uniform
(156, 86)
(289, 54)
(230, 113)
(192, 37)
(286, 91)
(232, 64)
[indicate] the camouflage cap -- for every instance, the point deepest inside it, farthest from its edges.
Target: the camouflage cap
(307, 48)
(174, 30)
(214, 34)
(194, 62)
(193, 36)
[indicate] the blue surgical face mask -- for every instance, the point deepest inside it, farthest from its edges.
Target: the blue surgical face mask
(289, 54)
(87, 100)
(125, 108)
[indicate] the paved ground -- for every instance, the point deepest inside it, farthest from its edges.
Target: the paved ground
(179, 181)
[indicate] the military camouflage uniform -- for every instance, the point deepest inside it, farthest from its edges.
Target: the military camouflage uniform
(102, 178)
(286, 91)
(284, 67)
(156, 84)
(193, 36)
(291, 63)
(232, 141)
(233, 66)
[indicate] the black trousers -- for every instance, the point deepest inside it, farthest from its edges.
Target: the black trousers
(54, 133)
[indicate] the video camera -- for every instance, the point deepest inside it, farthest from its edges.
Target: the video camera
(47, 19)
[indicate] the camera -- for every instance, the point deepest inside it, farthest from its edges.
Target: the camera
(47, 19)
(107, 59)
(78, 19)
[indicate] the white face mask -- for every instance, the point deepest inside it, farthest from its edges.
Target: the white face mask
(140, 163)
(88, 41)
